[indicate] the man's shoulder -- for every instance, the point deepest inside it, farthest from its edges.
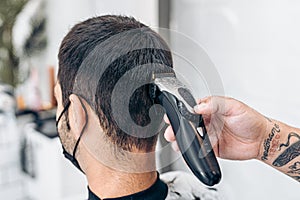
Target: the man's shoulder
(183, 186)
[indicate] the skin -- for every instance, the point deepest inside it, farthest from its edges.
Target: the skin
(104, 181)
(238, 132)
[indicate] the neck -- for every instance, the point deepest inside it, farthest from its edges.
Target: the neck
(109, 183)
(112, 172)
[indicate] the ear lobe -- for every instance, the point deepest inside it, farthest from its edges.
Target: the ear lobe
(77, 115)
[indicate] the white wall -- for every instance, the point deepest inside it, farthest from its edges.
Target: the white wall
(255, 48)
(63, 14)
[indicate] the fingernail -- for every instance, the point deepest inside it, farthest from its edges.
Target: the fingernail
(199, 107)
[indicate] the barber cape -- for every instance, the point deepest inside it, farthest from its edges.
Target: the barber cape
(170, 186)
(185, 186)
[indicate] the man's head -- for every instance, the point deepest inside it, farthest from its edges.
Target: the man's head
(106, 62)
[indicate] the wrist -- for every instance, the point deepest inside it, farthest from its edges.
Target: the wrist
(270, 140)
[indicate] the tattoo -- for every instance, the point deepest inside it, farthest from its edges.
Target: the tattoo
(295, 171)
(275, 145)
(292, 134)
(268, 146)
(290, 153)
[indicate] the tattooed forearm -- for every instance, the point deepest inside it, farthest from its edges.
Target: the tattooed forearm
(289, 154)
(286, 146)
(292, 134)
(269, 145)
(294, 171)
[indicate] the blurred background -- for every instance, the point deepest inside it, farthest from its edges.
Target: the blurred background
(255, 48)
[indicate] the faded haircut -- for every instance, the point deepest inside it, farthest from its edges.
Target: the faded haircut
(94, 57)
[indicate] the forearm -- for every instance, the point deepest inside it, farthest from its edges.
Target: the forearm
(280, 148)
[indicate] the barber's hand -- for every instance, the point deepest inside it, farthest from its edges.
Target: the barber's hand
(236, 131)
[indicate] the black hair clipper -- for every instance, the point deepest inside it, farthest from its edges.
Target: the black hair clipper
(188, 127)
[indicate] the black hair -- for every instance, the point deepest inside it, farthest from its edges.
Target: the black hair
(82, 56)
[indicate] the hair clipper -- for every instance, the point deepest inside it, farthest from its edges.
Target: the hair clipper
(189, 128)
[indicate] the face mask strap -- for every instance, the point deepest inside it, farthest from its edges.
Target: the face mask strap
(72, 157)
(83, 129)
(62, 112)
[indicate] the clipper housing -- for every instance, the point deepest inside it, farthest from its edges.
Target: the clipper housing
(189, 128)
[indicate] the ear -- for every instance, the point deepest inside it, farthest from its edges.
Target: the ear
(77, 115)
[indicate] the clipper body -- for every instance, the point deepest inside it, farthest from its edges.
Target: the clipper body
(189, 128)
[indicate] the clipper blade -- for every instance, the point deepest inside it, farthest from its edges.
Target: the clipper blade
(169, 83)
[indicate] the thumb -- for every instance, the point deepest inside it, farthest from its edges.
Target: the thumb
(202, 108)
(210, 105)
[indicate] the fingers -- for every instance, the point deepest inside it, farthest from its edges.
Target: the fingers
(211, 105)
(208, 106)
(169, 134)
(216, 150)
(166, 119)
(212, 108)
(170, 137)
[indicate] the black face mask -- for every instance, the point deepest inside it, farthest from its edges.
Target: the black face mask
(67, 155)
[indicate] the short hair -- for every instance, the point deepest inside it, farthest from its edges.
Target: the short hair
(82, 41)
